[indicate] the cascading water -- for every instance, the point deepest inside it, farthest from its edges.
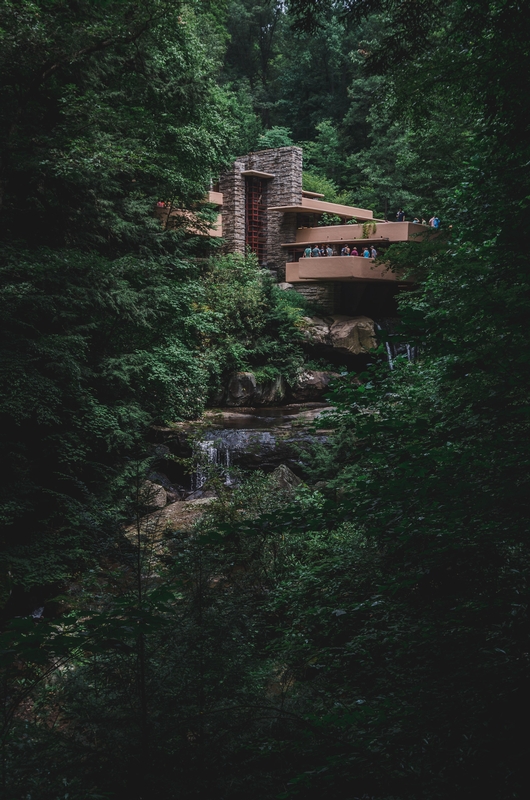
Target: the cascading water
(210, 456)
(395, 349)
(221, 451)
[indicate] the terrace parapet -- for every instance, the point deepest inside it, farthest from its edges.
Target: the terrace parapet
(340, 268)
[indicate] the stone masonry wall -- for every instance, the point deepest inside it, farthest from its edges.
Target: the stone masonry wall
(285, 163)
(322, 294)
(232, 185)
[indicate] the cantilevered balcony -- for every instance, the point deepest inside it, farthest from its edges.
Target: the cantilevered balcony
(338, 268)
(372, 231)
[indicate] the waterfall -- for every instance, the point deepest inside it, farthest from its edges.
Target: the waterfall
(210, 454)
(389, 355)
(394, 349)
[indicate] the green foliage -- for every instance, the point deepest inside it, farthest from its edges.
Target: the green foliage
(312, 182)
(275, 137)
(106, 108)
(368, 639)
(369, 228)
(323, 155)
(316, 183)
(329, 219)
(92, 351)
(256, 326)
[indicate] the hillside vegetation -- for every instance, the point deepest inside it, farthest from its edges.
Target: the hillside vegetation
(366, 634)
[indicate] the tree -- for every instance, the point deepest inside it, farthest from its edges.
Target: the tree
(106, 108)
(275, 137)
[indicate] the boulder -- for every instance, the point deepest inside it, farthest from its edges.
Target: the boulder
(270, 392)
(285, 478)
(153, 495)
(316, 330)
(284, 286)
(240, 389)
(354, 335)
(244, 390)
(311, 385)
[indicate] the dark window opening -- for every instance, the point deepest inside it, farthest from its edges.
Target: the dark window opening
(255, 218)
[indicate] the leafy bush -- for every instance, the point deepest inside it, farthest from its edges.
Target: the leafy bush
(277, 136)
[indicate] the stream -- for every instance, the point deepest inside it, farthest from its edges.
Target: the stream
(227, 441)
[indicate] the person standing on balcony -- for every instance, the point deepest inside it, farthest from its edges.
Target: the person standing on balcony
(307, 252)
(373, 252)
(354, 251)
(400, 216)
(329, 251)
(315, 252)
(345, 251)
(366, 253)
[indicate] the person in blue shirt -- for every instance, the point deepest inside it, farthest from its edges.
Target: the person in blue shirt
(366, 253)
(315, 252)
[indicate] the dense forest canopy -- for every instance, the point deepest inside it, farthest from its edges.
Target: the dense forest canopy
(365, 636)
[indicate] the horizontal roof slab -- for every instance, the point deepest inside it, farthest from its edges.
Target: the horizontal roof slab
(254, 173)
(310, 206)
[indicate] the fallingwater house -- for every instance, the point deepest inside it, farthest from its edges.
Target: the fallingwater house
(262, 207)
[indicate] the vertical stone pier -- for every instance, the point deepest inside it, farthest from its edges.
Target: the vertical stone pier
(283, 188)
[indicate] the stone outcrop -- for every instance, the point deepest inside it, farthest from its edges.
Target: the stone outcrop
(244, 390)
(240, 389)
(316, 330)
(270, 392)
(153, 495)
(311, 385)
(354, 335)
(285, 478)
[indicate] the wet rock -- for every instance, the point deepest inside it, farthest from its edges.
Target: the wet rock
(312, 385)
(270, 392)
(201, 501)
(241, 389)
(285, 478)
(201, 494)
(244, 390)
(153, 495)
(173, 493)
(354, 335)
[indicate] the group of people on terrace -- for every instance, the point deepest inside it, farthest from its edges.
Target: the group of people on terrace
(434, 221)
(326, 250)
